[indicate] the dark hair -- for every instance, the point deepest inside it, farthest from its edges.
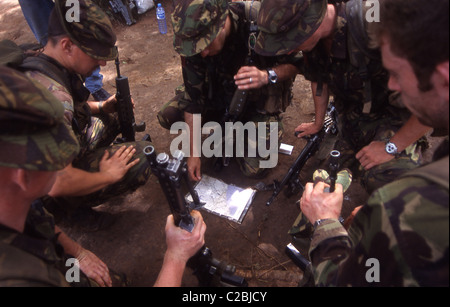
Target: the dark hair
(418, 31)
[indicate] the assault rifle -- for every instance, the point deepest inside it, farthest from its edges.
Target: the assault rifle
(291, 180)
(119, 8)
(125, 111)
(172, 173)
(239, 101)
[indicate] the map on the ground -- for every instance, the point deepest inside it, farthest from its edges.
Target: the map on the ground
(223, 199)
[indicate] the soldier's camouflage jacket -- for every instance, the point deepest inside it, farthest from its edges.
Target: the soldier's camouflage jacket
(210, 81)
(95, 135)
(341, 70)
(34, 258)
(399, 238)
(355, 76)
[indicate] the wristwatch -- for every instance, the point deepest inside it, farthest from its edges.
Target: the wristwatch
(273, 77)
(319, 222)
(391, 148)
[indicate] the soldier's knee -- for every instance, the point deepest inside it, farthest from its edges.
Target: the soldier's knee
(250, 168)
(168, 116)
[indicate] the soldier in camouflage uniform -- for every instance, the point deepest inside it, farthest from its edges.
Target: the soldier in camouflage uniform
(338, 61)
(35, 144)
(401, 236)
(101, 170)
(214, 41)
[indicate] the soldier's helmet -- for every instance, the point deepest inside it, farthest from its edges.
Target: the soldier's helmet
(196, 24)
(33, 135)
(286, 24)
(87, 25)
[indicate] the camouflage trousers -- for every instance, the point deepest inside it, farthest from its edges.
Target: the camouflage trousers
(171, 113)
(98, 138)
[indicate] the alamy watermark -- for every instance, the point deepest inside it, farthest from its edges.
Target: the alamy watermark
(73, 13)
(373, 13)
(230, 140)
(73, 271)
(373, 273)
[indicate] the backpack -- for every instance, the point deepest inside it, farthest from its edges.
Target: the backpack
(26, 57)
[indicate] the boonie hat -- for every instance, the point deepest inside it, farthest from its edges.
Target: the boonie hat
(87, 25)
(196, 24)
(286, 24)
(33, 134)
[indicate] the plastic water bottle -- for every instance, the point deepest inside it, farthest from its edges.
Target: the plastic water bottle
(161, 17)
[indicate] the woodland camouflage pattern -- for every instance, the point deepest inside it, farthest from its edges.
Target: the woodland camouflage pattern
(357, 128)
(286, 24)
(32, 133)
(209, 85)
(34, 258)
(404, 226)
(93, 34)
(94, 139)
(196, 24)
(95, 133)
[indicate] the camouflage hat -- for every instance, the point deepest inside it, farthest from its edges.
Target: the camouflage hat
(196, 24)
(87, 25)
(286, 24)
(33, 135)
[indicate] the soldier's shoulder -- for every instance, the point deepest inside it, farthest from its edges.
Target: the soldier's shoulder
(20, 268)
(409, 193)
(57, 89)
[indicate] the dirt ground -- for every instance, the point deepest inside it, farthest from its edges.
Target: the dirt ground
(135, 243)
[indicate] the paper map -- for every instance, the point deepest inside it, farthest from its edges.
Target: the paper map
(224, 199)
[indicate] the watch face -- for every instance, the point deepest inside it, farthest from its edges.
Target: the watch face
(391, 148)
(273, 76)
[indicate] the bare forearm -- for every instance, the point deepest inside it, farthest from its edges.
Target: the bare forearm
(411, 131)
(70, 247)
(286, 72)
(171, 273)
(76, 182)
(195, 150)
(320, 102)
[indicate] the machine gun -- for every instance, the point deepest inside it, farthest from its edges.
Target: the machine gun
(172, 173)
(291, 180)
(125, 111)
(119, 8)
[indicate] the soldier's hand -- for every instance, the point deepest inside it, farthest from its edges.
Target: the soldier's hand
(109, 105)
(116, 166)
(182, 245)
(94, 268)
(308, 129)
(317, 204)
(250, 77)
(373, 154)
(194, 165)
